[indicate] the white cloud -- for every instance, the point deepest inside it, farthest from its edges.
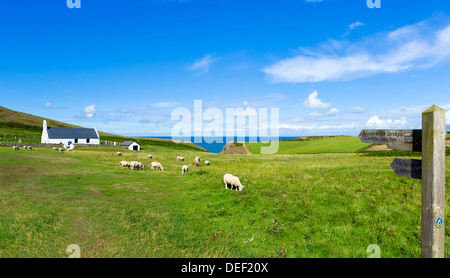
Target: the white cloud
(250, 112)
(315, 115)
(417, 46)
(164, 104)
(358, 109)
(202, 65)
(376, 122)
(297, 120)
(90, 111)
(345, 126)
(353, 26)
(333, 112)
(49, 105)
(313, 101)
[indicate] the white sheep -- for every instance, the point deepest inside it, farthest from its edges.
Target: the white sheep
(157, 165)
(55, 148)
(180, 158)
(24, 147)
(233, 181)
(150, 156)
(61, 149)
(206, 162)
(124, 163)
(136, 165)
(197, 161)
(29, 147)
(119, 153)
(15, 148)
(184, 169)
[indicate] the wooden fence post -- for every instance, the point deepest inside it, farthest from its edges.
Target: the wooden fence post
(433, 182)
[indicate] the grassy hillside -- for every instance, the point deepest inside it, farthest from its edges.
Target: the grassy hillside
(23, 124)
(304, 206)
(17, 125)
(340, 144)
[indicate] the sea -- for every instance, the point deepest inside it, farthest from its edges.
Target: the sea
(217, 143)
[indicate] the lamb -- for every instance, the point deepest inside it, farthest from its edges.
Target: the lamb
(29, 147)
(233, 181)
(24, 147)
(119, 153)
(61, 149)
(206, 162)
(157, 165)
(184, 169)
(15, 148)
(137, 165)
(150, 156)
(124, 163)
(197, 161)
(180, 158)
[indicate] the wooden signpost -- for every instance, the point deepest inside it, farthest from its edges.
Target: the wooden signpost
(431, 170)
(397, 139)
(410, 168)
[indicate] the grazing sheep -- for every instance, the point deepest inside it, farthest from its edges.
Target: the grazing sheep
(150, 156)
(157, 165)
(61, 150)
(184, 169)
(24, 147)
(124, 163)
(233, 181)
(197, 161)
(29, 147)
(180, 158)
(119, 153)
(15, 148)
(55, 148)
(136, 165)
(206, 162)
(70, 150)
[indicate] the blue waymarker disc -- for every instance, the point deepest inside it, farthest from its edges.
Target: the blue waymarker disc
(439, 221)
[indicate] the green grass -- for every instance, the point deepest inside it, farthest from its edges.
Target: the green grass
(302, 205)
(341, 144)
(15, 126)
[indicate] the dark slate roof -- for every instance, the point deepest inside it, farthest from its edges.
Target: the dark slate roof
(127, 143)
(71, 133)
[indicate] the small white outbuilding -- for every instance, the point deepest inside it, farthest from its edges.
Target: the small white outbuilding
(131, 145)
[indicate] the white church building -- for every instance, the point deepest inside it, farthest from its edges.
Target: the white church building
(69, 135)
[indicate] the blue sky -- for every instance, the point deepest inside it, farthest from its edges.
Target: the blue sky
(330, 66)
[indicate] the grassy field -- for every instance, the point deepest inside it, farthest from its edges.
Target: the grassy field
(15, 126)
(297, 205)
(341, 144)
